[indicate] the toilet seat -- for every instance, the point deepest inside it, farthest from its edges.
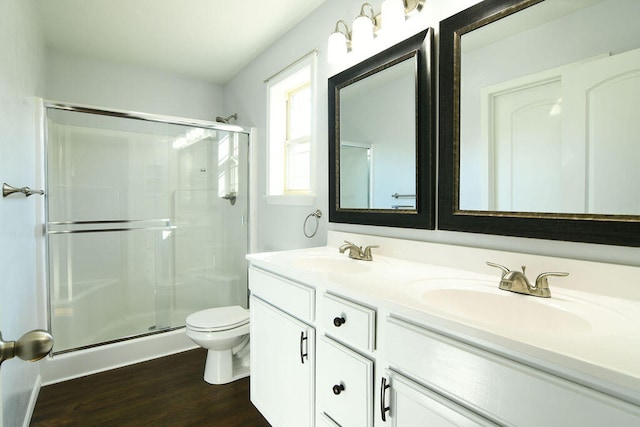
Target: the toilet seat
(218, 319)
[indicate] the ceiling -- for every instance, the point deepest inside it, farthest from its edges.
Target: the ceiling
(209, 40)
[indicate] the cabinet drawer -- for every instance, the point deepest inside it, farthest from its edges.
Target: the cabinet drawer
(348, 322)
(412, 405)
(498, 388)
(344, 384)
(294, 298)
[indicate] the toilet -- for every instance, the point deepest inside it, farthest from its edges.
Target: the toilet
(224, 332)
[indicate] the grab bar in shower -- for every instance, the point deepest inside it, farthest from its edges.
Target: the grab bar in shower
(402, 196)
(72, 227)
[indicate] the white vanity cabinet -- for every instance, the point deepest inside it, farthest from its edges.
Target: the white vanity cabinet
(282, 351)
(329, 350)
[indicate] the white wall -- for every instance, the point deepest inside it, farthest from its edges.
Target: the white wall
(279, 227)
(91, 81)
(21, 63)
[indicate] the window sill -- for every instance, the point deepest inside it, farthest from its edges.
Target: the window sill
(292, 200)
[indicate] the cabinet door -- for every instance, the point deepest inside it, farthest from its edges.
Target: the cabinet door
(282, 366)
(411, 405)
(344, 384)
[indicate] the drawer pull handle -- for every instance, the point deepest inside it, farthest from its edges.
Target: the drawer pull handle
(338, 388)
(339, 321)
(302, 353)
(383, 391)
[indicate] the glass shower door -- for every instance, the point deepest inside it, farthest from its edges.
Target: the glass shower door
(209, 208)
(140, 226)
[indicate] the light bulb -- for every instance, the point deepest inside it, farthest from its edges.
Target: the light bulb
(337, 48)
(362, 34)
(392, 15)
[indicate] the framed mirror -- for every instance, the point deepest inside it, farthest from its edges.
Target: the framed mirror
(382, 138)
(539, 131)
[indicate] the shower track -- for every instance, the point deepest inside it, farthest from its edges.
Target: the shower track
(80, 108)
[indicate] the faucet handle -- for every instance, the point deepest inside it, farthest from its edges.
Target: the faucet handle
(504, 269)
(347, 245)
(367, 252)
(543, 283)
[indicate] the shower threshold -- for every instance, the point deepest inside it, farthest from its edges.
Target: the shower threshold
(153, 330)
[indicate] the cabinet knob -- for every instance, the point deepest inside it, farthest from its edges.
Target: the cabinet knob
(339, 321)
(338, 388)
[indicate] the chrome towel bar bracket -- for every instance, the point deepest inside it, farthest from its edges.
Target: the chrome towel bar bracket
(7, 190)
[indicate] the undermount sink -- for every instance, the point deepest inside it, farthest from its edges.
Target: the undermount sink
(332, 264)
(481, 303)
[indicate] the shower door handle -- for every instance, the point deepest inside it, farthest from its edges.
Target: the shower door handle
(32, 346)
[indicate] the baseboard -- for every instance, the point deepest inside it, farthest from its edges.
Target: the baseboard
(32, 401)
(103, 358)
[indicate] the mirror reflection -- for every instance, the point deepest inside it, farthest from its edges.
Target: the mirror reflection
(378, 140)
(548, 101)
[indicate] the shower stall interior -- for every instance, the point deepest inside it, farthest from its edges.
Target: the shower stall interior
(146, 222)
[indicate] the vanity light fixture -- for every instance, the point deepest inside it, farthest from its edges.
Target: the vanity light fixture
(367, 24)
(339, 42)
(363, 26)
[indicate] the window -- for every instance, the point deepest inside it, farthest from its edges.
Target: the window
(290, 134)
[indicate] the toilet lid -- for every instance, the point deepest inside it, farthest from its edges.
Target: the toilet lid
(219, 318)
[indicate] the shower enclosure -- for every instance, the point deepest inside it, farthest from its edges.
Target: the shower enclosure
(146, 222)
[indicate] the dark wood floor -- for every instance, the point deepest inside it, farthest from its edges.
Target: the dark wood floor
(164, 392)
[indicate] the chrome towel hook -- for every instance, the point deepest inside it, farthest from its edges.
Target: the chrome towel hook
(317, 214)
(9, 189)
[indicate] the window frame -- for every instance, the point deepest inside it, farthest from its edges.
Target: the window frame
(290, 142)
(279, 89)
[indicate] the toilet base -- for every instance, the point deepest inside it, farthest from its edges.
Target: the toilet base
(219, 368)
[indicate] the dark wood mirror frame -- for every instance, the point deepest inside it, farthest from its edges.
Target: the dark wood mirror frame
(602, 229)
(420, 46)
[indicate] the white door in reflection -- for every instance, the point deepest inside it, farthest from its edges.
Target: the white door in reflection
(564, 140)
(523, 142)
(601, 110)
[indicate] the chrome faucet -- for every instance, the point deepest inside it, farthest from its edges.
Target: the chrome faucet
(516, 281)
(356, 252)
